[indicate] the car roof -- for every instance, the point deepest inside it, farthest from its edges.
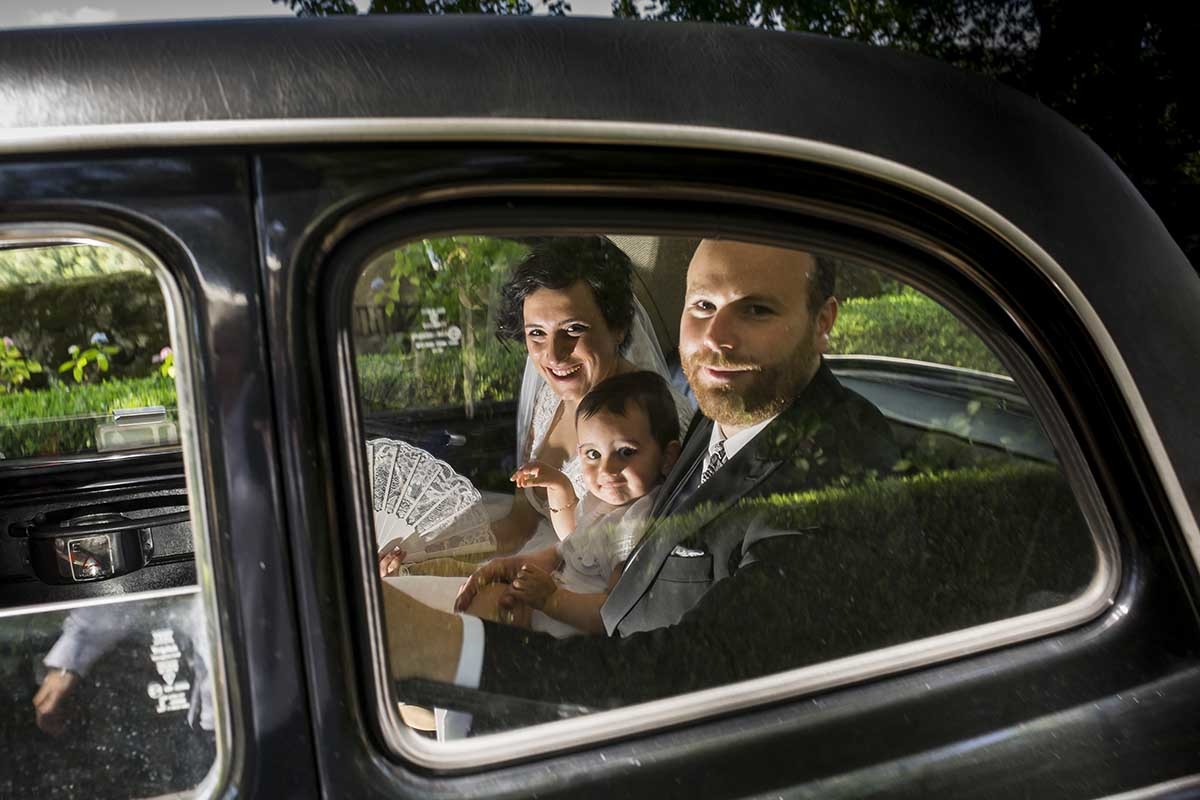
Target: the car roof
(972, 143)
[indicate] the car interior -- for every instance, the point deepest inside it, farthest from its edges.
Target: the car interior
(969, 440)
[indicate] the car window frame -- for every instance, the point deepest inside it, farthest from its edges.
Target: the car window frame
(51, 233)
(532, 742)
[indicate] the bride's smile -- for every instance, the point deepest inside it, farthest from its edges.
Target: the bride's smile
(569, 340)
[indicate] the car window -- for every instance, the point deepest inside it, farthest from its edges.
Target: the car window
(876, 478)
(86, 363)
(105, 657)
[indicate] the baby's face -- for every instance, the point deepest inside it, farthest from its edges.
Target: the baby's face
(621, 459)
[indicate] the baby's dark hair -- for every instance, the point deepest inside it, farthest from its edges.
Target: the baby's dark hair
(647, 390)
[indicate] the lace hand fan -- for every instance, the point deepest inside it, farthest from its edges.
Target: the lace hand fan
(423, 505)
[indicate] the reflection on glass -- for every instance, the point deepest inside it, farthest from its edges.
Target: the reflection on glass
(112, 697)
(862, 472)
(90, 558)
(108, 701)
(83, 343)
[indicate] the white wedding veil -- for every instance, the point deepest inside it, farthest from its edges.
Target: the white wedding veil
(643, 352)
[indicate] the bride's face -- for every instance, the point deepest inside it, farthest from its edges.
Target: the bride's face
(569, 341)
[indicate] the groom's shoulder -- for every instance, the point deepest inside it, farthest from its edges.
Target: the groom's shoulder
(840, 423)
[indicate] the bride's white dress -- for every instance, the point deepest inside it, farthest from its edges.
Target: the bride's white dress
(536, 410)
(439, 592)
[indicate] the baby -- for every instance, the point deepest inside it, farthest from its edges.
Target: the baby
(628, 433)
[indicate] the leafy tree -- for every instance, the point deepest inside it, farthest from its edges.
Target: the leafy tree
(1126, 75)
(321, 8)
(456, 273)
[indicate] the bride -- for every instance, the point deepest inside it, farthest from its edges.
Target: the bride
(571, 303)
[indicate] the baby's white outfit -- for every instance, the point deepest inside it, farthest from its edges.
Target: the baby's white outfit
(604, 537)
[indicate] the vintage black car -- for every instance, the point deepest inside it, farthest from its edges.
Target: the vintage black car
(299, 229)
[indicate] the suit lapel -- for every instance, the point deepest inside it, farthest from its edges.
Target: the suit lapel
(789, 435)
(740, 475)
(690, 460)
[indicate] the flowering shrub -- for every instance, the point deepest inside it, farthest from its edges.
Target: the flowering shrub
(166, 362)
(95, 356)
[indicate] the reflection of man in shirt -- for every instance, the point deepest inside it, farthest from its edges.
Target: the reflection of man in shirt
(713, 598)
(164, 625)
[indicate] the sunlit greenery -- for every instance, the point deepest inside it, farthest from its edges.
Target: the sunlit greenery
(457, 274)
(48, 264)
(909, 325)
(62, 418)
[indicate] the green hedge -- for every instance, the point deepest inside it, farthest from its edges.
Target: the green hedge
(909, 325)
(915, 556)
(906, 325)
(428, 379)
(45, 319)
(59, 406)
(388, 383)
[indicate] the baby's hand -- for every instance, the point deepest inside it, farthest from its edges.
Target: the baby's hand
(560, 492)
(533, 586)
(541, 474)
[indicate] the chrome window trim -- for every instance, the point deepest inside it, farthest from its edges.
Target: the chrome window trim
(325, 131)
(1171, 788)
(109, 600)
(50, 234)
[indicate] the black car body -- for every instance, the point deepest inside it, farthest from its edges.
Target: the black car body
(250, 159)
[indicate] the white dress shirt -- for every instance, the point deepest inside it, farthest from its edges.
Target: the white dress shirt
(734, 443)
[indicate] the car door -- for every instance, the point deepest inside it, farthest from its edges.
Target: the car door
(974, 714)
(264, 194)
(119, 531)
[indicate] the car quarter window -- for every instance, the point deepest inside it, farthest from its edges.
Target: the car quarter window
(648, 467)
(105, 658)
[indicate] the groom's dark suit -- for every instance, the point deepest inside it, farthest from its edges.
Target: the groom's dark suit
(713, 593)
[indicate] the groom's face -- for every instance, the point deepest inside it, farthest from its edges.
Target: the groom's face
(748, 340)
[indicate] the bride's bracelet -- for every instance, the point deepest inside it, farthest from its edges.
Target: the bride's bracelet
(567, 507)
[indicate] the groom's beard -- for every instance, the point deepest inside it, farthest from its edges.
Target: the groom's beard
(760, 394)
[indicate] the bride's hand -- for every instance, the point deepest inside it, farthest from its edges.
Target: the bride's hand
(389, 562)
(498, 570)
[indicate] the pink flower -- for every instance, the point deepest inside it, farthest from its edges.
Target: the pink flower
(162, 355)
(8, 342)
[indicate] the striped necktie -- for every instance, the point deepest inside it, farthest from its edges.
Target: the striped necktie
(716, 457)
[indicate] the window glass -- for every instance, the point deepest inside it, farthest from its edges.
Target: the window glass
(104, 656)
(873, 475)
(85, 358)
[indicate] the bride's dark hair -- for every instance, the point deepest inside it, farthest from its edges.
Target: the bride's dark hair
(557, 264)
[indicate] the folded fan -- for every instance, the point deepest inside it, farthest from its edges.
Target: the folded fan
(423, 505)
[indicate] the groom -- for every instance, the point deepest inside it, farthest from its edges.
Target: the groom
(715, 592)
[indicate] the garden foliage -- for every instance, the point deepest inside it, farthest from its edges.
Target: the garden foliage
(909, 325)
(63, 417)
(116, 325)
(46, 320)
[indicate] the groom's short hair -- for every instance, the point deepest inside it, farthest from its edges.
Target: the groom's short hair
(647, 390)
